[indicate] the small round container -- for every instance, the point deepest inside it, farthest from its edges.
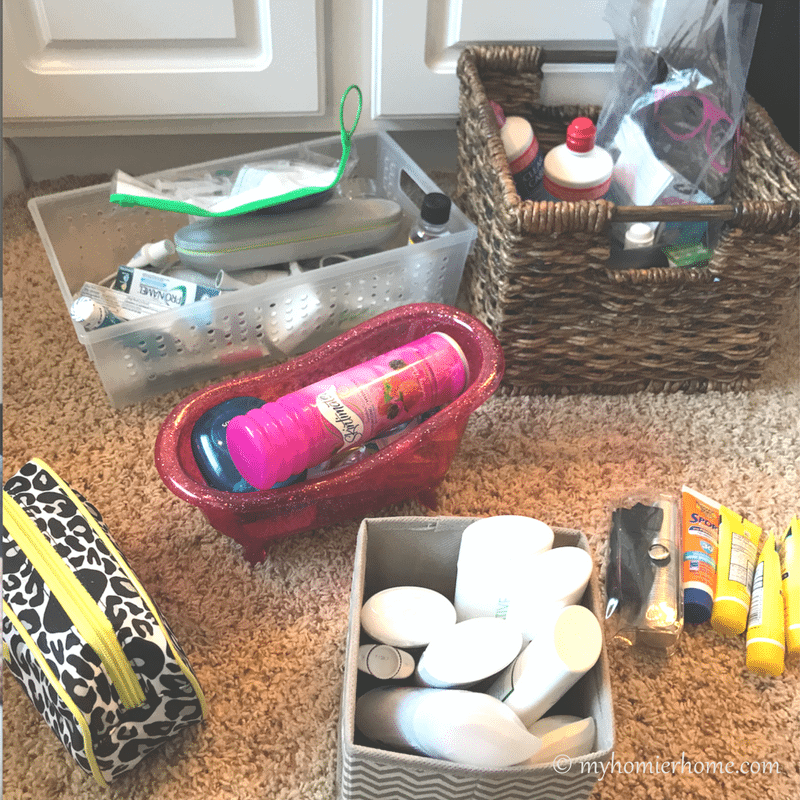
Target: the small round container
(407, 616)
(467, 653)
(385, 662)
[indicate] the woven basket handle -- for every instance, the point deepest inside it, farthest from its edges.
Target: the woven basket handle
(762, 215)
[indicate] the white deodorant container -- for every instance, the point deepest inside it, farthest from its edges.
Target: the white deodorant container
(493, 561)
(453, 724)
(555, 579)
(565, 646)
(407, 616)
(468, 652)
(563, 735)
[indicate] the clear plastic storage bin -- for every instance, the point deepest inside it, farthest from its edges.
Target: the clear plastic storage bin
(87, 237)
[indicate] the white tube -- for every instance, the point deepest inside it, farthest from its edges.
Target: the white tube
(407, 616)
(493, 561)
(153, 254)
(452, 724)
(468, 652)
(385, 662)
(565, 647)
(563, 735)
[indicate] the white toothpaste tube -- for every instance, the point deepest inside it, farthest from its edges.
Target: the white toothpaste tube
(163, 290)
(119, 304)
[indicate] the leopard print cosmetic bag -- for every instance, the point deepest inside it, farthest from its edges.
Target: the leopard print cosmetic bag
(81, 634)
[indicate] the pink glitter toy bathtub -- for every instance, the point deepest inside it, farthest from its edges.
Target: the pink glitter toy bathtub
(411, 466)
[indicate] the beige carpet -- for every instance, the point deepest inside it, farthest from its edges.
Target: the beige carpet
(267, 642)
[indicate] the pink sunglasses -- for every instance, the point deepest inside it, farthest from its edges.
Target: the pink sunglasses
(712, 114)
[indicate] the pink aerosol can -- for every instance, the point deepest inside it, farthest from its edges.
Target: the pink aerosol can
(309, 426)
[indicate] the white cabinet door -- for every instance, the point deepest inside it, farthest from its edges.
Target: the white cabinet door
(417, 44)
(139, 59)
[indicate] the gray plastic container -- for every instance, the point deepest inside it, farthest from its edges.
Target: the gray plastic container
(87, 237)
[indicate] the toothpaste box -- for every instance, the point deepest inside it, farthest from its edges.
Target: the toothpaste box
(162, 290)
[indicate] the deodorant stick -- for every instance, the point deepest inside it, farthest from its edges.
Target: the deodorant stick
(566, 647)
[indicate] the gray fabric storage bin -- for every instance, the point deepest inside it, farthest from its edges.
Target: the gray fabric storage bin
(423, 551)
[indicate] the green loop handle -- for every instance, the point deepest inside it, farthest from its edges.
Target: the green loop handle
(346, 134)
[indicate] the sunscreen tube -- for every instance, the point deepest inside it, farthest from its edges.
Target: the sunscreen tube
(566, 646)
(765, 632)
(407, 616)
(700, 542)
(452, 724)
(493, 563)
(790, 569)
(738, 543)
(385, 662)
(468, 652)
(563, 735)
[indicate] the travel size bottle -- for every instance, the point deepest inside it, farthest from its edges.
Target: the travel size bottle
(525, 159)
(433, 218)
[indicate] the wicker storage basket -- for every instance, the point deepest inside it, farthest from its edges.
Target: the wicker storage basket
(538, 275)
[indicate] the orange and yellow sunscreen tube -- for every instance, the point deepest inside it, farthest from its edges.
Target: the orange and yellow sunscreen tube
(738, 545)
(765, 631)
(790, 568)
(700, 532)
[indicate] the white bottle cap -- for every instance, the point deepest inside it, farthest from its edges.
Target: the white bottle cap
(517, 136)
(563, 735)
(639, 234)
(385, 662)
(493, 562)
(407, 616)
(87, 312)
(468, 652)
(159, 253)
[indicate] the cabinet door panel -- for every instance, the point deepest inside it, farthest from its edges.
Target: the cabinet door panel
(417, 44)
(130, 60)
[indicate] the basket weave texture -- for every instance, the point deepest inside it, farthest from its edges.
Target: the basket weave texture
(538, 278)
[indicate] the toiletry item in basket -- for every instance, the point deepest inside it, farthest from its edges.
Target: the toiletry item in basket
(577, 169)
(789, 550)
(433, 218)
(766, 638)
(259, 240)
(113, 304)
(91, 314)
(493, 560)
(700, 531)
(163, 290)
(407, 616)
(153, 254)
(308, 426)
(563, 735)
(452, 724)
(210, 449)
(385, 662)
(566, 646)
(736, 560)
(525, 158)
(468, 652)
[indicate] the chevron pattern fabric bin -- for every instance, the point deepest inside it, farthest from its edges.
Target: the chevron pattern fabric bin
(423, 551)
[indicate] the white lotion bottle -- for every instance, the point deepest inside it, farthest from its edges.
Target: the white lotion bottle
(493, 561)
(452, 724)
(555, 579)
(385, 662)
(564, 648)
(563, 735)
(407, 616)
(467, 653)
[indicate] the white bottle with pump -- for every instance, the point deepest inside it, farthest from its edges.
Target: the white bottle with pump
(577, 169)
(452, 724)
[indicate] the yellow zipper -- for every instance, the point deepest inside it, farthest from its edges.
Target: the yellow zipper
(87, 617)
